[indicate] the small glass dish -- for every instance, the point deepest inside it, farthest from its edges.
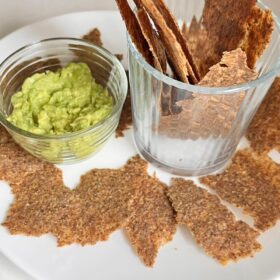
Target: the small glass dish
(52, 54)
(205, 141)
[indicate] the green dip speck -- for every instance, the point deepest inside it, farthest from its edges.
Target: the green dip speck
(56, 103)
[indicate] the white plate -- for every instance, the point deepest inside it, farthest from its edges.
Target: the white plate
(115, 259)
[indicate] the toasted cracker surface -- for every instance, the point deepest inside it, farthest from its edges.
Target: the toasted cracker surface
(213, 226)
(134, 30)
(205, 115)
(155, 44)
(252, 184)
(237, 23)
(153, 223)
(175, 53)
(264, 132)
(258, 34)
(173, 25)
(94, 36)
(39, 202)
(15, 163)
(102, 203)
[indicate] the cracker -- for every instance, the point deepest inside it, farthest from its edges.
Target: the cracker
(94, 36)
(153, 223)
(213, 226)
(264, 132)
(173, 25)
(156, 46)
(102, 203)
(237, 23)
(252, 184)
(232, 70)
(214, 114)
(16, 164)
(175, 53)
(200, 45)
(258, 35)
(39, 203)
(134, 30)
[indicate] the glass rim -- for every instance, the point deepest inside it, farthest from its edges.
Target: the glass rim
(202, 89)
(71, 135)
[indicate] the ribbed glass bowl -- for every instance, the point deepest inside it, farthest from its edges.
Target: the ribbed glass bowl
(52, 54)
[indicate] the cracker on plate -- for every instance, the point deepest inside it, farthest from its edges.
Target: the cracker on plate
(264, 131)
(253, 184)
(213, 226)
(152, 223)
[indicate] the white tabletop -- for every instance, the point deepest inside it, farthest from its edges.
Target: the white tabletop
(17, 13)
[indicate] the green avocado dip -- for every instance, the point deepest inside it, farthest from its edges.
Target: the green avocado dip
(57, 103)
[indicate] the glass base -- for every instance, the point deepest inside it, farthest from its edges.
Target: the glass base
(181, 171)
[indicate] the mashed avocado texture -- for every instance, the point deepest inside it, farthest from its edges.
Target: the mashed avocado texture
(56, 103)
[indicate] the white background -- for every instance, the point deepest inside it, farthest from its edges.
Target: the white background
(17, 13)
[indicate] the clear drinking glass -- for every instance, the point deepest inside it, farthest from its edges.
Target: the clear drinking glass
(205, 137)
(52, 54)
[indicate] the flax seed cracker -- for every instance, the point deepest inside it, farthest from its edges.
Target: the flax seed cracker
(213, 226)
(264, 132)
(153, 223)
(250, 185)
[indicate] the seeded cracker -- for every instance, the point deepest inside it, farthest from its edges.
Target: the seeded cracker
(237, 23)
(214, 114)
(153, 223)
(251, 184)
(264, 132)
(102, 204)
(200, 45)
(154, 42)
(15, 163)
(39, 203)
(213, 226)
(175, 53)
(173, 25)
(134, 30)
(258, 35)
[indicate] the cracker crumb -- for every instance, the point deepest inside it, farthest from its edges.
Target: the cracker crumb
(94, 36)
(213, 226)
(251, 183)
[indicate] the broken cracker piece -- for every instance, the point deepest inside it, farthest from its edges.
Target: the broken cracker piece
(264, 131)
(154, 42)
(102, 203)
(16, 164)
(214, 114)
(94, 36)
(152, 224)
(173, 25)
(39, 202)
(251, 186)
(237, 23)
(134, 30)
(213, 226)
(258, 34)
(175, 53)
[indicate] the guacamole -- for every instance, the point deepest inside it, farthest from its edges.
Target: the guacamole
(57, 103)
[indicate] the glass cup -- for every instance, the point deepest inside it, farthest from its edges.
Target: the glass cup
(203, 137)
(52, 54)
